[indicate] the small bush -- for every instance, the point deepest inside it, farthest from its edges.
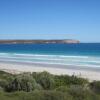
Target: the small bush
(46, 81)
(95, 86)
(23, 82)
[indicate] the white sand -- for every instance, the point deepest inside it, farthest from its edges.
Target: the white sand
(18, 68)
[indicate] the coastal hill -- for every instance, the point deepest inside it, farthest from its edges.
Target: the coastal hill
(66, 41)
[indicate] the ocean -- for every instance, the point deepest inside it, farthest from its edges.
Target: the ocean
(83, 54)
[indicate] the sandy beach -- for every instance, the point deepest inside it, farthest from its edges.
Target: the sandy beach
(15, 68)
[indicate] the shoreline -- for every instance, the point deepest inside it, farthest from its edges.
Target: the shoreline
(16, 68)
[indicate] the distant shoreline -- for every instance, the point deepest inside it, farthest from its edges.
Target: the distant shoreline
(66, 41)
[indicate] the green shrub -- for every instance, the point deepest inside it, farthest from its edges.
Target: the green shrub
(6, 76)
(44, 86)
(64, 80)
(23, 82)
(46, 80)
(80, 93)
(3, 83)
(95, 86)
(62, 88)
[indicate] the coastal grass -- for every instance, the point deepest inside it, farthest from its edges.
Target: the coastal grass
(45, 86)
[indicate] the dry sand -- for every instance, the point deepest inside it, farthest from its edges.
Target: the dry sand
(19, 68)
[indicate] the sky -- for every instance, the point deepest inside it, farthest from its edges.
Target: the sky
(50, 19)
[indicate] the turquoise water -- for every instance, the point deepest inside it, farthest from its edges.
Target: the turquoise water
(83, 54)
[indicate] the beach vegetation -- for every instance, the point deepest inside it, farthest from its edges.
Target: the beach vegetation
(45, 79)
(45, 86)
(95, 86)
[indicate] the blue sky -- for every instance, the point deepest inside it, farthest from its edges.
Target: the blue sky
(50, 19)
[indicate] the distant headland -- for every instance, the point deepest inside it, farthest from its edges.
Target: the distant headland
(66, 41)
